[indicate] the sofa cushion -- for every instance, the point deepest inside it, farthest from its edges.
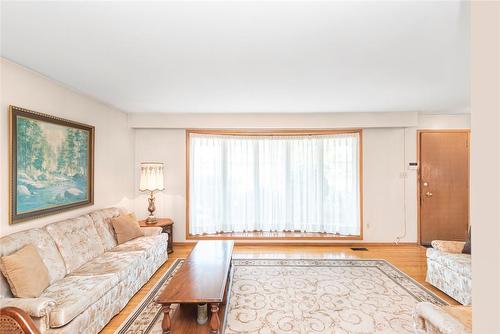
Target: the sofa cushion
(142, 243)
(96, 316)
(77, 240)
(25, 271)
(457, 262)
(74, 294)
(150, 231)
(122, 259)
(126, 228)
(46, 248)
(102, 222)
(118, 263)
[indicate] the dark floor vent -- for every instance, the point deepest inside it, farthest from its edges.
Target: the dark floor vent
(359, 248)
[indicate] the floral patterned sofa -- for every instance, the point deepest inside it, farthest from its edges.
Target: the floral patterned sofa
(449, 270)
(91, 277)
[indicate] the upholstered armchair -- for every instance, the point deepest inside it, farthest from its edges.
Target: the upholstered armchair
(433, 319)
(449, 270)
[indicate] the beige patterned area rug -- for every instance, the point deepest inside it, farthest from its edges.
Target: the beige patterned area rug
(305, 297)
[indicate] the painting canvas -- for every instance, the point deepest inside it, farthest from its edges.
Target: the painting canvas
(51, 164)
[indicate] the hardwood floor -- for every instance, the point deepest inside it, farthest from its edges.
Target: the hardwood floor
(408, 258)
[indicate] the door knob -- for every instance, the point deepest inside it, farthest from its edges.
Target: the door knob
(428, 194)
(425, 184)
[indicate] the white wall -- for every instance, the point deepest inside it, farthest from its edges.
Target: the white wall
(386, 177)
(383, 185)
(311, 120)
(167, 146)
(113, 139)
(485, 165)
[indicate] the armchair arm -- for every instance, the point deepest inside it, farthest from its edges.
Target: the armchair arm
(151, 231)
(13, 319)
(429, 315)
(448, 246)
(35, 307)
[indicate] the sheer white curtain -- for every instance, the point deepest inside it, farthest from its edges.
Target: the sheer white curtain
(274, 183)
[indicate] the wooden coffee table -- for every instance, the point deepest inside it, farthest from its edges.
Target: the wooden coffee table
(203, 278)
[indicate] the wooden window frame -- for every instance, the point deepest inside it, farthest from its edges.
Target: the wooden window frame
(282, 235)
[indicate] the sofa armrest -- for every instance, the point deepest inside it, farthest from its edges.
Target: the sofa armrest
(151, 231)
(35, 307)
(429, 317)
(448, 246)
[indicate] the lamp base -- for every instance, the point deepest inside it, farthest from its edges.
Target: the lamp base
(151, 219)
(151, 208)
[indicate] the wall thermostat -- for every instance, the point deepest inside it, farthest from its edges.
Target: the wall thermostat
(413, 165)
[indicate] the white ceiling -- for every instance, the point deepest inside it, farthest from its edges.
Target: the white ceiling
(249, 56)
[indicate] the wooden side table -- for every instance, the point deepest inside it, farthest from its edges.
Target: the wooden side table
(166, 225)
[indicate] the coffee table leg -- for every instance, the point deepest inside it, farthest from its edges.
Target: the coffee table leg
(166, 324)
(214, 320)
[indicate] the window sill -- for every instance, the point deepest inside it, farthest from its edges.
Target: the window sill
(273, 236)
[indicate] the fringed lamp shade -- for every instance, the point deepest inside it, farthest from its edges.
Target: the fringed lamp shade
(152, 176)
(152, 181)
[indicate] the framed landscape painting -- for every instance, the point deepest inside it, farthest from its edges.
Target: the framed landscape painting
(51, 164)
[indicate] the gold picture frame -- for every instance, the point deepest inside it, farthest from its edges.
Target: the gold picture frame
(51, 164)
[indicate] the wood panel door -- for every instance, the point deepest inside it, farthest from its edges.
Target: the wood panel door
(443, 185)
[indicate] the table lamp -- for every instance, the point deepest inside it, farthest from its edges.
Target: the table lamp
(152, 181)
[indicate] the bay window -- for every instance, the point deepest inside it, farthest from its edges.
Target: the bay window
(289, 181)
